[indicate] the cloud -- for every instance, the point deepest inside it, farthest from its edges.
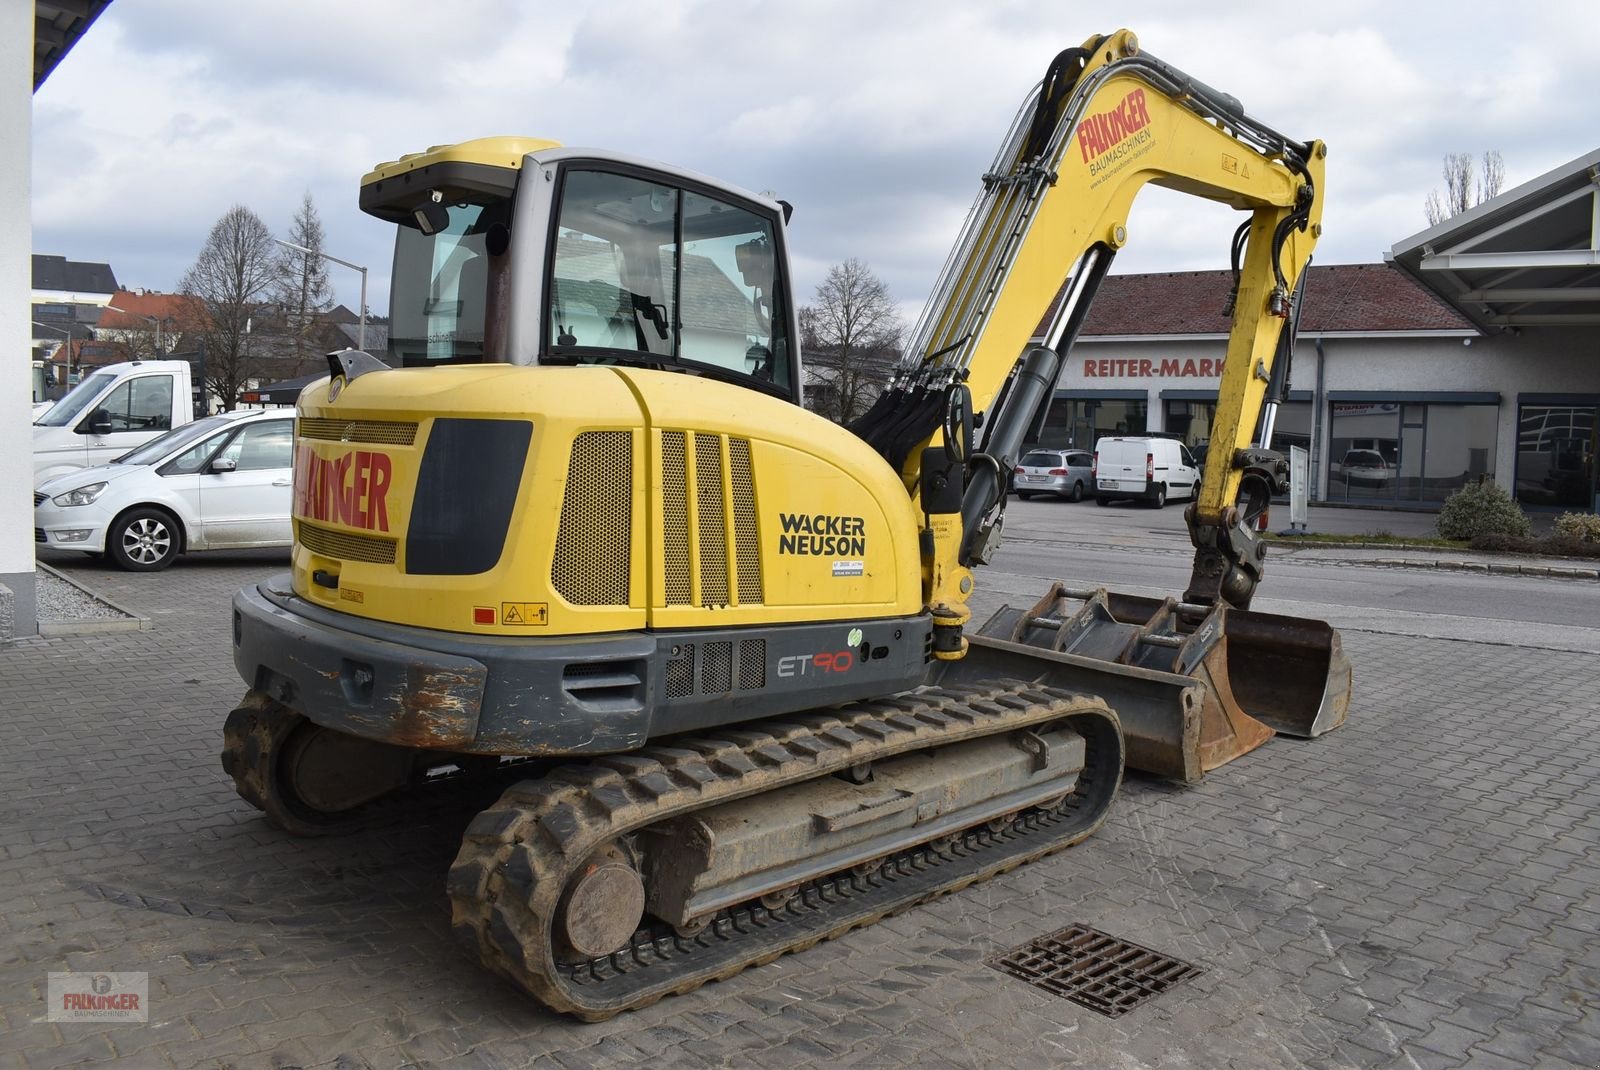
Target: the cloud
(876, 121)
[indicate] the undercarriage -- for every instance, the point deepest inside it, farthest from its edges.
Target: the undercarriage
(603, 885)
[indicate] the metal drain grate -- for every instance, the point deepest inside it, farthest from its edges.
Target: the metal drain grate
(1098, 971)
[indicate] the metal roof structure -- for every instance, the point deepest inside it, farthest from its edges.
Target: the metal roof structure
(1529, 257)
(57, 25)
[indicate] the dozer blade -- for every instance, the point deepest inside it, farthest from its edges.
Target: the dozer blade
(1194, 686)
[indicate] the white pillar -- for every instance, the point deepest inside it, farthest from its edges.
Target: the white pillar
(17, 612)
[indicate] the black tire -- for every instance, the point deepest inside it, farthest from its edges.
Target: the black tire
(1160, 500)
(144, 539)
(1077, 492)
(1101, 499)
(1024, 495)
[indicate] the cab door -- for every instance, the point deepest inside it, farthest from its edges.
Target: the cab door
(245, 488)
(137, 410)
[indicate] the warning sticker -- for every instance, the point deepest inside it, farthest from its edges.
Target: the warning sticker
(526, 613)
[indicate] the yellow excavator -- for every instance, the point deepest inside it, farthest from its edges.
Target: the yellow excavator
(587, 526)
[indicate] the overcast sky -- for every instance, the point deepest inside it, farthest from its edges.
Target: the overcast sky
(874, 119)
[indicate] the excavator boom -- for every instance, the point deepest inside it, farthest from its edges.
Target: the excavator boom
(1105, 121)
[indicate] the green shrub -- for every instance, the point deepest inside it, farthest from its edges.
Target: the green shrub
(1580, 527)
(1554, 546)
(1482, 509)
(1494, 542)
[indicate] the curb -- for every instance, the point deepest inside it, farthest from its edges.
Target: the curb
(1495, 567)
(1323, 544)
(129, 622)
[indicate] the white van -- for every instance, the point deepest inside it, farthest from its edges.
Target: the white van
(1145, 469)
(118, 407)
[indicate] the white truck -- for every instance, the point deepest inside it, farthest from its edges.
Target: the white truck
(113, 410)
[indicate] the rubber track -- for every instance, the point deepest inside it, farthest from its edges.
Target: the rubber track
(518, 855)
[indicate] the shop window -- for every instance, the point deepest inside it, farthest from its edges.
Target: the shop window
(1190, 421)
(1116, 418)
(1415, 452)
(1293, 427)
(1080, 422)
(1460, 448)
(1556, 446)
(1363, 450)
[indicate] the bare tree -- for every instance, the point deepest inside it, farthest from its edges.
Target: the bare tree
(1463, 189)
(302, 287)
(852, 335)
(232, 277)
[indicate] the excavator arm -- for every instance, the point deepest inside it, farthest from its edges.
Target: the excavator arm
(1105, 121)
(1196, 681)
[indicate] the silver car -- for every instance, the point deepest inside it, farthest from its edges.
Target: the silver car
(1064, 473)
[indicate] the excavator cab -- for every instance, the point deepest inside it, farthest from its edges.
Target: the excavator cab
(619, 262)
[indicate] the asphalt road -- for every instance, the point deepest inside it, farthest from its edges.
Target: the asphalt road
(1145, 551)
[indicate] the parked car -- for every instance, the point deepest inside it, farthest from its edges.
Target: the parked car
(222, 482)
(1364, 468)
(1064, 473)
(1146, 468)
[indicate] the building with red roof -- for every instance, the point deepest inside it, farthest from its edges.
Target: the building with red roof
(1398, 397)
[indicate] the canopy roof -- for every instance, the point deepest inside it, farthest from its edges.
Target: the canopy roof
(1529, 257)
(57, 25)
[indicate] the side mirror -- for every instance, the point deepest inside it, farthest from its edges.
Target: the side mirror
(224, 464)
(98, 423)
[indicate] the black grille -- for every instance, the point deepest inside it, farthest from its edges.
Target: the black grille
(38, 498)
(1097, 971)
(346, 545)
(716, 667)
(752, 664)
(680, 672)
(38, 535)
(386, 432)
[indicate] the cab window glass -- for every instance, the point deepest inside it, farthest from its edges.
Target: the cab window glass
(143, 404)
(647, 268)
(614, 283)
(729, 289)
(439, 306)
(261, 446)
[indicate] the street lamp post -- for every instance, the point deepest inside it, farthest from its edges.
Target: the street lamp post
(361, 331)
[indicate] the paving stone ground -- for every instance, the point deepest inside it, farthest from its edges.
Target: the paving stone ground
(1419, 889)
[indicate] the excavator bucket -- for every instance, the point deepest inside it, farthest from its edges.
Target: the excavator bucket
(1194, 686)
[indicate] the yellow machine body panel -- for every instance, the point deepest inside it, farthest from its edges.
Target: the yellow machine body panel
(505, 152)
(628, 499)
